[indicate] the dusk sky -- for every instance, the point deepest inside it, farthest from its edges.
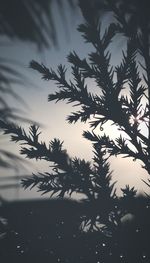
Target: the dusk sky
(53, 116)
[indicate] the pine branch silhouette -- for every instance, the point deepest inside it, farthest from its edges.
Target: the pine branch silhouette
(69, 175)
(110, 104)
(125, 111)
(123, 99)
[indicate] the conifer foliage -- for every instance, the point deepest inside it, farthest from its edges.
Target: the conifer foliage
(122, 98)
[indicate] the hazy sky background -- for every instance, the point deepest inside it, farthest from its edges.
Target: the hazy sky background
(53, 116)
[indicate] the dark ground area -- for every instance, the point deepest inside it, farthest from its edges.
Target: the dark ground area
(48, 231)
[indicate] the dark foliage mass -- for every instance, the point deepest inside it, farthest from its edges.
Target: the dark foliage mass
(31, 20)
(28, 21)
(122, 98)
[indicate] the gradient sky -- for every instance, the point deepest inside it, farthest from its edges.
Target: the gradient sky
(53, 116)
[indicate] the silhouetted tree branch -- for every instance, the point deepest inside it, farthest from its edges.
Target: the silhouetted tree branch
(126, 111)
(69, 175)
